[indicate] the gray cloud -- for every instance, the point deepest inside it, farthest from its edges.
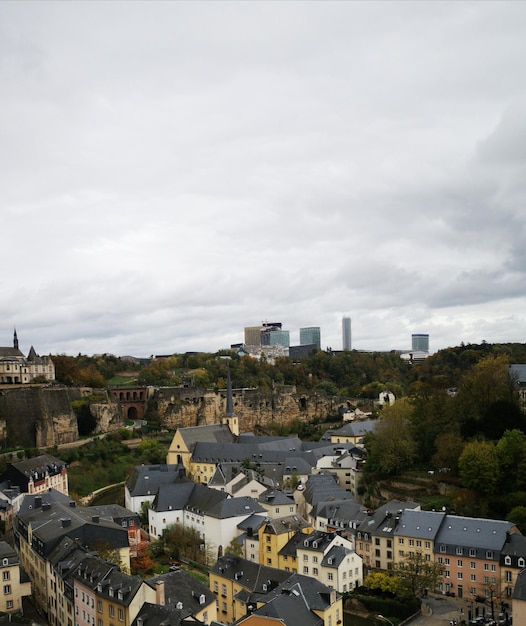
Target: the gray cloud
(172, 172)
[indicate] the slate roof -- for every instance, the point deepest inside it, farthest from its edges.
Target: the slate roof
(9, 553)
(234, 507)
(335, 556)
(518, 372)
(346, 513)
(324, 488)
(519, 591)
(219, 433)
(146, 479)
(253, 522)
(174, 496)
(385, 520)
(420, 524)
(290, 548)
(275, 497)
(318, 596)
(250, 575)
(356, 429)
(53, 516)
(286, 524)
(514, 547)
(156, 615)
(482, 535)
(180, 586)
(290, 608)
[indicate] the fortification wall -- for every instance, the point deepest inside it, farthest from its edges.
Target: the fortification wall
(42, 417)
(176, 407)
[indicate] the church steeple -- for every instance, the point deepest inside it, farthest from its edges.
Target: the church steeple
(15, 340)
(230, 418)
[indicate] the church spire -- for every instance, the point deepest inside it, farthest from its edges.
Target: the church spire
(229, 417)
(15, 340)
(229, 403)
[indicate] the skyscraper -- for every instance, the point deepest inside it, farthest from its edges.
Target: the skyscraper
(310, 336)
(346, 333)
(420, 342)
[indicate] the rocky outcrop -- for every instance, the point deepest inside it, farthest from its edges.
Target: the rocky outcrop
(43, 417)
(177, 407)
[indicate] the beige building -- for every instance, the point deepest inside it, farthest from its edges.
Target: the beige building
(14, 588)
(17, 369)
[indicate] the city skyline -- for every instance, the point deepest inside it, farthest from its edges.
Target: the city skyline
(173, 170)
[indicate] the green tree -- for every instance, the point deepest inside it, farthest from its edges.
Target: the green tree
(479, 467)
(418, 573)
(391, 447)
(388, 583)
(518, 516)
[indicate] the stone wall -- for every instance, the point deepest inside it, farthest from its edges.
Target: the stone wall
(42, 417)
(176, 407)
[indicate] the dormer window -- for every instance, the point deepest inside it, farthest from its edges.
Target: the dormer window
(179, 606)
(110, 592)
(202, 599)
(507, 560)
(306, 543)
(521, 562)
(5, 561)
(119, 594)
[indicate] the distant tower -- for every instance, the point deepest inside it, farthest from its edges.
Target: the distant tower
(15, 341)
(346, 333)
(310, 336)
(230, 418)
(420, 343)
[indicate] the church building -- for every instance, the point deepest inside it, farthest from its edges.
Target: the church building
(17, 369)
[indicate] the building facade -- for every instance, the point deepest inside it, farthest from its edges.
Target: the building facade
(311, 335)
(17, 369)
(420, 342)
(346, 333)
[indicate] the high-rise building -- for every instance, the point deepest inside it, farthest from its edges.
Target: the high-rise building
(346, 333)
(311, 335)
(274, 336)
(420, 342)
(252, 335)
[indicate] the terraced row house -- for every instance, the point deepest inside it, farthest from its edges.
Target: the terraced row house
(480, 557)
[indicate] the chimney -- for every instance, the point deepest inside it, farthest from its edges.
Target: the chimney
(95, 519)
(159, 593)
(65, 522)
(72, 504)
(38, 502)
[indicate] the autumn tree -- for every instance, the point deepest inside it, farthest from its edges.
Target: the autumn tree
(142, 563)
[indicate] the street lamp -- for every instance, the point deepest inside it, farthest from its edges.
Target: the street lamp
(385, 619)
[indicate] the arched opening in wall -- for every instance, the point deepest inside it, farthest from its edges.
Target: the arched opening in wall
(303, 404)
(132, 413)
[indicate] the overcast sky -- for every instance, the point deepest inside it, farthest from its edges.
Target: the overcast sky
(171, 172)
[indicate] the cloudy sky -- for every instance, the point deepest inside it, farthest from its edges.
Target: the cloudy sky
(171, 172)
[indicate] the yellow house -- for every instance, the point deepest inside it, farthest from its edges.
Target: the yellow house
(185, 440)
(274, 535)
(13, 590)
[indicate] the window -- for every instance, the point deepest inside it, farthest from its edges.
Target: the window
(508, 576)
(305, 557)
(305, 569)
(9, 604)
(314, 571)
(446, 574)
(99, 606)
(330, 576)
(472, 552)
(216, 586)
(314, 559)
(459, 550)
(507, 560)
(521, 562)
(427, 544)
(473, 578)
(459, 575)
(223, 590)
(472, 565)
(489, 554)
(418, 543)
(411, 542)
(400, 541)
(224, 607)
(121, 615)
(376, 541)
(5, 575)
(459, 562)
(112, 610)
(7, 589)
